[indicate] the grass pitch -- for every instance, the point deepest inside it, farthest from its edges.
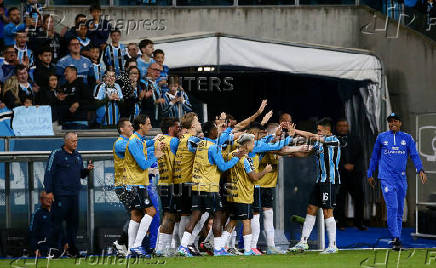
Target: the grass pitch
(345, 258)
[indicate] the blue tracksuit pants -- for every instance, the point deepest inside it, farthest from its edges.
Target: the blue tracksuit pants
(394, 191)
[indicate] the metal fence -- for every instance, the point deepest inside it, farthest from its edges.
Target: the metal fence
(425, 210)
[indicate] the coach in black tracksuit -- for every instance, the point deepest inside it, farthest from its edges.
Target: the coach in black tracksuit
(62, 185)
(350, 170)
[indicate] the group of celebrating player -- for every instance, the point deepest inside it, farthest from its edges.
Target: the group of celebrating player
(214, 175)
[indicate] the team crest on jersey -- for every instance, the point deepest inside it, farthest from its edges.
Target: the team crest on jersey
(385, 143)
(386, 189)
(85, 65)
(403, 142)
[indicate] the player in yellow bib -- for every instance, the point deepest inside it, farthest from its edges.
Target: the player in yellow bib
(125, 130)
(240, 197)
(134, 195)
(206, 173)
(183, 176)
(170, 128)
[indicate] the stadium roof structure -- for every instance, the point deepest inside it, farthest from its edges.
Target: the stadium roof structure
(219, 49)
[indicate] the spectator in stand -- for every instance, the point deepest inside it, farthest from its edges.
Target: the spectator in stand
(40, 226)
(2, 61)
(156, 112)
(79, 19)
(99, 28)
(44, 68)
(350, 169)
(98, 68)
(18, 90)
(430, 11)
(115, 52)
(108, 95)
(132, 51)
(6, 116)
(3, 21)
(144, 62)
(162, 81)
(85, 42)
(126, 87)
(47, 37)
(32, 10)
(25, 55)
(46, 94)
(81, 63)
(75, 100)
(143, 97)
(10, 62)
(13, 26)
(176, 100)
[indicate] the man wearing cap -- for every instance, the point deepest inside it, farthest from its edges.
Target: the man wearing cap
(391, 151)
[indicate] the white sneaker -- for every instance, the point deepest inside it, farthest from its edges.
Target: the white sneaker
(330, 250)
(273, 251)
(234, 251)
(299, 247)
(121, 249)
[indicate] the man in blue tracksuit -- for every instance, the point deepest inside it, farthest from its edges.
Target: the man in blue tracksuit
(62, 185)
(40, 227)
(391, 151)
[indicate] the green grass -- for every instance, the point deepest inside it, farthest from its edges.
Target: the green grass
(352, 258)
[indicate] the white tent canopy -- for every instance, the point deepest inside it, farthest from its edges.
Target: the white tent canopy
(279, 57)
(219, 49)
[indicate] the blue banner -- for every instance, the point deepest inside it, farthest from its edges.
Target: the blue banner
(32, 121)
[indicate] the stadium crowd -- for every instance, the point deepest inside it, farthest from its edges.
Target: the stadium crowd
(84, 73)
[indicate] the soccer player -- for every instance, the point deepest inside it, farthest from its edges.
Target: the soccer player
(391, 151)
(266, 191)
(134, 195)
(206, 173)
(170, 128)
(183, 163)
(125, 129)
(114, 53)
(241, 186)
(323, 195)
(263, 145)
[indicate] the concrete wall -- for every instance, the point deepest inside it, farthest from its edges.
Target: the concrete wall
(409, 60)
(329, 26)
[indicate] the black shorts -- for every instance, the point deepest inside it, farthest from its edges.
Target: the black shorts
(167, 198)
(205, 201)
(183, 197)
(240, 211)
(323, 195)
(266, 197)
(257, 206)
(134, 197)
